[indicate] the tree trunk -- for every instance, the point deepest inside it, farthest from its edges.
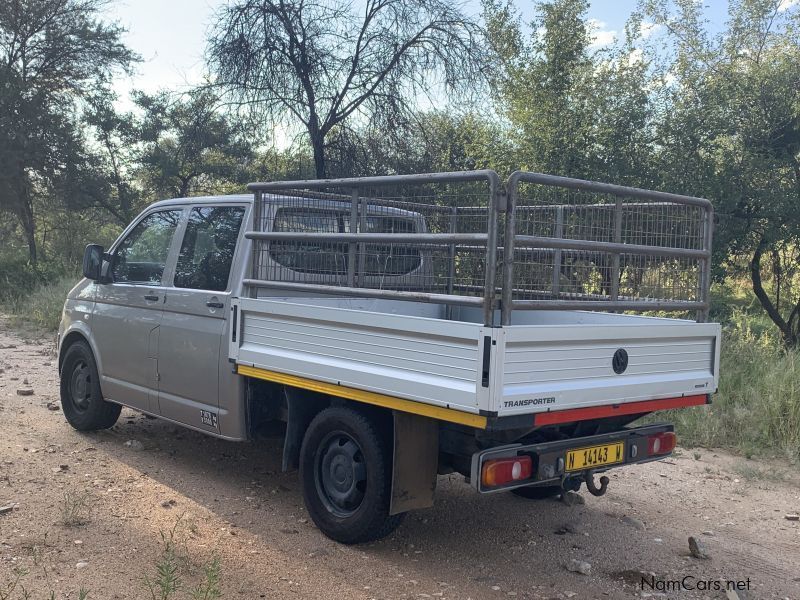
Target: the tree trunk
(788, 334)
(318, 144)
(26, 219)
(30, 235)
(183, 190)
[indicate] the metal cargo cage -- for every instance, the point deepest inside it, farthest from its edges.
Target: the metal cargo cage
(534, 242)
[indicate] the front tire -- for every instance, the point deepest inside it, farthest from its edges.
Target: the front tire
(345, 469)
(81, 398)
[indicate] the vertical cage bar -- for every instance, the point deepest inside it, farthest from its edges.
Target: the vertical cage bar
(507, 298)
(617, 240)
(559, 233)
(705, 265)
(352, 246)
(362, 248)
(451, 267)
(256, 247)
(491, 251)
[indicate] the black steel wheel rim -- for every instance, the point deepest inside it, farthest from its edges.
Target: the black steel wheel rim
(80, 386)
(340, 473)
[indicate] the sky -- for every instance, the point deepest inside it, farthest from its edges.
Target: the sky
(170, 35)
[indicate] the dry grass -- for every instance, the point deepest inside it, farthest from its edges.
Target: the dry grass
(41, 308)
(757, 409)
(75, 509)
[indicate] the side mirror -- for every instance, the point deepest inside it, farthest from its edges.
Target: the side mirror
(92, 261)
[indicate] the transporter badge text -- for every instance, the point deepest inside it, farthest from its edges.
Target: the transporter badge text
(529, 402)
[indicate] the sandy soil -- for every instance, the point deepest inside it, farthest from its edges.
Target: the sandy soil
(231, 500)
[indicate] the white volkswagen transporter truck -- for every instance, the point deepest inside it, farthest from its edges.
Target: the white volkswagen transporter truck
(402, 327)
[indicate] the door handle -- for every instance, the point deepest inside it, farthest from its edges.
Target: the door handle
(211, 304)
(153, 297)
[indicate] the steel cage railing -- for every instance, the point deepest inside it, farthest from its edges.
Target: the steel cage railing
(501, 201)
(356, 184)
(512, 240)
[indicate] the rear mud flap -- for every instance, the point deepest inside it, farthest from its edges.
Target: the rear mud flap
(415, 464)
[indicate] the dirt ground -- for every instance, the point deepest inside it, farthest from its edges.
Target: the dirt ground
(231, 501)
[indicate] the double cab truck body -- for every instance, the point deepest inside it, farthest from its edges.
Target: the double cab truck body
(403, 327)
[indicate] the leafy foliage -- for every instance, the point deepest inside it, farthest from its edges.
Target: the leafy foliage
(732, 133)
(189, 145)
(317, 64)
(54, 54)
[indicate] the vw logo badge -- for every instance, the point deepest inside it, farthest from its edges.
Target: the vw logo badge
(620, 361)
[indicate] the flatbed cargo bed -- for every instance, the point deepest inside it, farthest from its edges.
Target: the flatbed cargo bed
(541, 362)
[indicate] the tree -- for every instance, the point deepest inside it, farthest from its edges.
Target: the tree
(733, 134)
(115, 159)
(320, 63)
(573, 109)
(188, 143)
(53, 54)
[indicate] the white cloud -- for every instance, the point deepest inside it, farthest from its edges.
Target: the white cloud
(787, 4)
(600, 35)
(635, 56)
(648, 29)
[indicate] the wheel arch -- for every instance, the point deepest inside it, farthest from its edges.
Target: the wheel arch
(70, 338)
(413, 441)
(78, 332)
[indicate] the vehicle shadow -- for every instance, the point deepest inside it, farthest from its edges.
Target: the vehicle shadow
(466, 541)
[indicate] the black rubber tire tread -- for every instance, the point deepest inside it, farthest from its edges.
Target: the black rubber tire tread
(371, 521)
(99, 414)
(538, 493)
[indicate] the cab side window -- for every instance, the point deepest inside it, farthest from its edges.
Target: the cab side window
(208, 247)
(142, 256)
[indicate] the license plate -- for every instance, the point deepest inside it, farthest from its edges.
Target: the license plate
(595, 456)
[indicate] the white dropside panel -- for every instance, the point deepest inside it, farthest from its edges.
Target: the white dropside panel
(547, 368)
(416, 358)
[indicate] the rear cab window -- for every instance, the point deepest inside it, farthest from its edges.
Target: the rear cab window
(208, 248)
(330, 258)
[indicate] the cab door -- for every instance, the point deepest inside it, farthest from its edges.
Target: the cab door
(191, 342)
(128, 310)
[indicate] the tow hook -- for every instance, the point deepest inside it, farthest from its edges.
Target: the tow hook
(593, 489)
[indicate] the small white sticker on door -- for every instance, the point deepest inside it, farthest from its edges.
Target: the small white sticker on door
(208, 418)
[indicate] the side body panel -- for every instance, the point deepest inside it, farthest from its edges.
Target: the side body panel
(428, 360)
(514, 370)
(125, 326)
(189, 357)
(77, 317)
(192, 354)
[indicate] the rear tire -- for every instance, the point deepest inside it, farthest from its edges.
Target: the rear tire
(345, 469)
(81, 398)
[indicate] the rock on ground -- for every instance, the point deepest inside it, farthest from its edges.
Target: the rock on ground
(579, 566)
(698, 548)
(633, 522)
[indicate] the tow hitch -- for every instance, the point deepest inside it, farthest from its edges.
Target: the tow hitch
(592, 487)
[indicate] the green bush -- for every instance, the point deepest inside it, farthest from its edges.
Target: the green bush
(757, 408)
(18, 277)
(41, 307)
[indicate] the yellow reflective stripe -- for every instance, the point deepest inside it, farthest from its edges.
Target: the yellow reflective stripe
(418, 408)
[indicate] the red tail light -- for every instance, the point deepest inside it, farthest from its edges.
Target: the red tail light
(505, 470)
(661, 443)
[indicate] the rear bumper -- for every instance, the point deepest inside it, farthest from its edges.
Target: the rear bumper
(549, 458)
